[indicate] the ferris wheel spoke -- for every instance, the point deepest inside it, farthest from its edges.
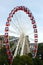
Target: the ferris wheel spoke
(29, 33)
(14, 32)
(19, 29)
(14, 26)
(25, 22)
(31, 39)
(19, 23)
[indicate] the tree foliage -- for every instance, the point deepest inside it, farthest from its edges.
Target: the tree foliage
(3, 56)
(40, 50)
(37, 61)
(23, 60)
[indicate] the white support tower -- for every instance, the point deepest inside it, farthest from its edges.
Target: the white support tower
(23, 46)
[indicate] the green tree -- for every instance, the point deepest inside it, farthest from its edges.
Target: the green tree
(16, 60)
(26, 60)
(23, 60)
(3, 57)
(37, 61)
(40, 50)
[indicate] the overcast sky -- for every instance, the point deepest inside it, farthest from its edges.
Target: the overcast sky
(36, 7)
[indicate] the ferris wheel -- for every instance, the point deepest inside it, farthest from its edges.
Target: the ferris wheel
(20, 22)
